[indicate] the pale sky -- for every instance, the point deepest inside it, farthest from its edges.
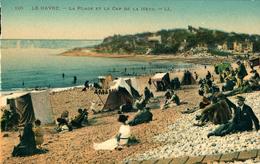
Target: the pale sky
(241, 16)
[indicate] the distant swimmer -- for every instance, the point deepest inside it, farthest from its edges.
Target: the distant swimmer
(23, 83)
(63, 75)
(75, 79)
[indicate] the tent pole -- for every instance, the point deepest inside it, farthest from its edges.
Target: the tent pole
(100, 99)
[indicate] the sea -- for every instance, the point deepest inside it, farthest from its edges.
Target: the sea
(27, 64)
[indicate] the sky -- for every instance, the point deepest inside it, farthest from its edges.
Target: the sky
(31, 19)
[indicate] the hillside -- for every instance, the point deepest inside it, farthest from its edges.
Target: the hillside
(180, 40)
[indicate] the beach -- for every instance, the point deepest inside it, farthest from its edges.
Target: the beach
(200, 58)
(157, 139)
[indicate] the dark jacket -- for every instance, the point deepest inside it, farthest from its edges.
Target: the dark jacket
(244, 118)
(144, 116)
(241, 71)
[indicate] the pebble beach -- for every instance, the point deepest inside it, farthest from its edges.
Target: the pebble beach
(170, 134)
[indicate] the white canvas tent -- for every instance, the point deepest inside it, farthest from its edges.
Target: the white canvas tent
(121, 93)
(131, 81)
(161, 81)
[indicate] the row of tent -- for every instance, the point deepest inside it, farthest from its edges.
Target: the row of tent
(37, 105)
(162, 81)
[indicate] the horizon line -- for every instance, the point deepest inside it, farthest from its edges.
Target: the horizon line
(213, 29)
(47, 39)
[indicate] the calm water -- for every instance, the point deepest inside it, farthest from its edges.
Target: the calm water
(42, 67)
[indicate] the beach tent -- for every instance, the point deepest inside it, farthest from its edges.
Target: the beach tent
(131, 81)
(32, 106)
(254, 62)
(120, 93)
(188, 79)
(219, 68)
(105, 81)
(161, 81)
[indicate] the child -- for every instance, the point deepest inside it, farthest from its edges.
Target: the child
(38, 133)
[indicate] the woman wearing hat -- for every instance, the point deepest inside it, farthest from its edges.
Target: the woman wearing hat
(242, 121)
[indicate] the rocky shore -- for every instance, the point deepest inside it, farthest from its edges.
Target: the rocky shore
(184, 139)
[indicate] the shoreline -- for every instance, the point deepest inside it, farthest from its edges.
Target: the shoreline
(195, 59)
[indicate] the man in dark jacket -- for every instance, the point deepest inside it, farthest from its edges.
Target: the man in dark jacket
(242, 121)
(143, 116)
(241, 73)
(82, 115)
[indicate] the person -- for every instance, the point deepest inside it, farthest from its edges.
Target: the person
(140, 104)
(243, 120)
(147, 94)
(63, 122)
(74, 79)
(170, 96)
(175, 98)
(143, 116)
(127, 107)
(221, 78)
(9, 119)
(246, 87)
(229, 85)
(63, 75)
(218, 112)
(5, 119)
(241, 73)
(78, 120)
(27, 145)
(208, 76)
(150, 82)
(38, 133)
(175, 83)
(205, 100)
(196, 75)
(86, 85)
(255, 76)
(118, 141)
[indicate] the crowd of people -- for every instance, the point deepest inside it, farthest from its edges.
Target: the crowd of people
(214, 107)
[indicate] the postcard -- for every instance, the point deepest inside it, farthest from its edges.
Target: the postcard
(130, 81)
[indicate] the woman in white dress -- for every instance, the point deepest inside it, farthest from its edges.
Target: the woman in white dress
(119, 140)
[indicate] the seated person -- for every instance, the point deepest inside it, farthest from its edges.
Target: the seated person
(127, 107)
(169, 98)
(78, 120)
(63, 122)
(175, 83)
(218, 113)
(229, 85)
(143, 116)
(9, 119)
(27, 145)
(5, 120)
(140, 104)
(147, 94)
(243, 120)
(120, 140)
(208, 76)
(246, 87)
(255, 75)
(205, 101)
(38, 133)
